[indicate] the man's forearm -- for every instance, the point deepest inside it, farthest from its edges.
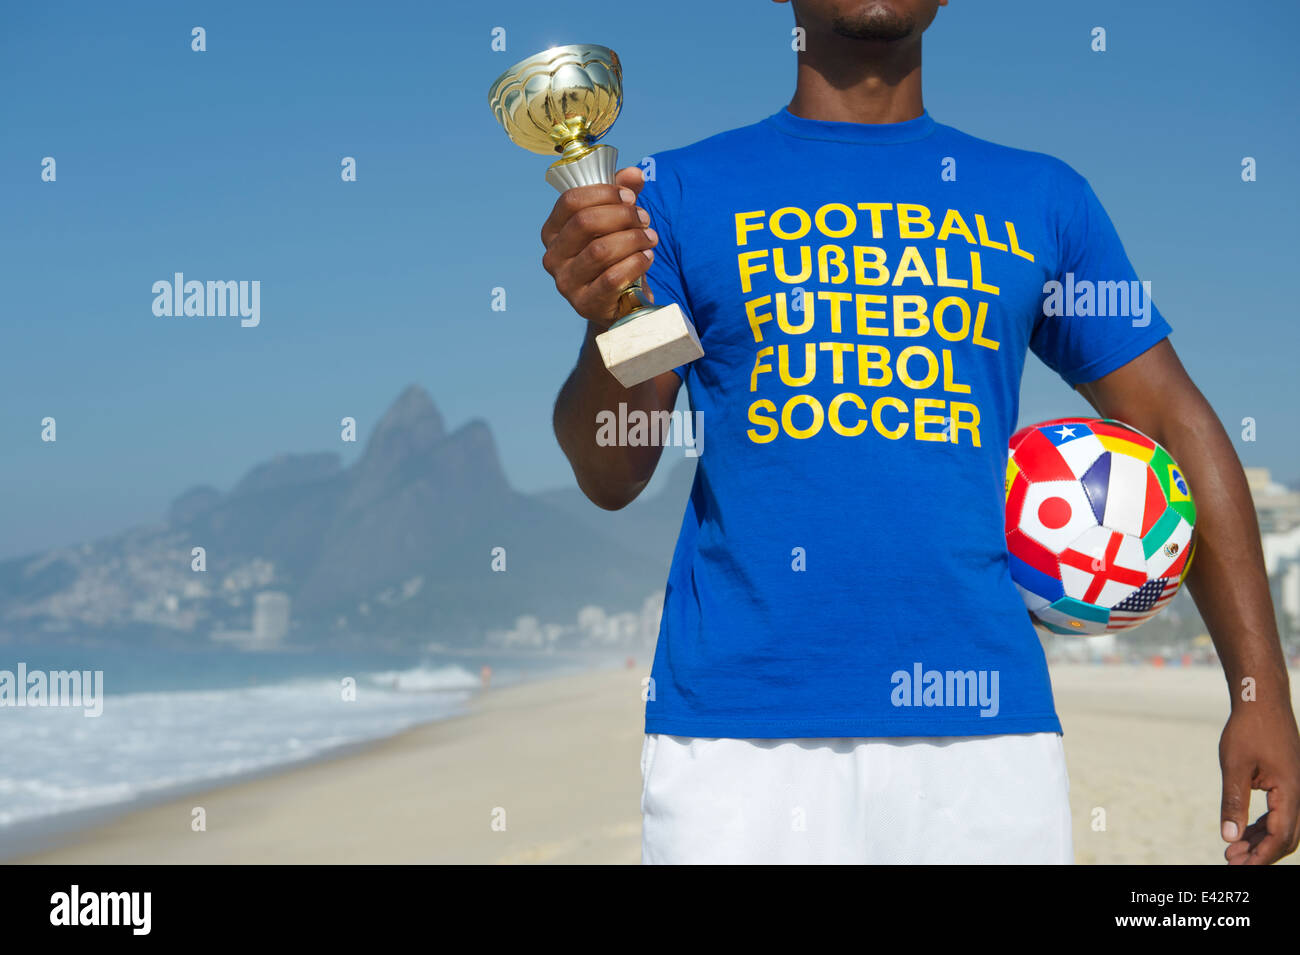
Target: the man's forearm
(610, 475)
(1227, 579)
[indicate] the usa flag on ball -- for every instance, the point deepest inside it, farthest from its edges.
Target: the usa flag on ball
(1099, 525)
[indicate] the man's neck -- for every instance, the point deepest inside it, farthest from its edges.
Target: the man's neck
(855, 84)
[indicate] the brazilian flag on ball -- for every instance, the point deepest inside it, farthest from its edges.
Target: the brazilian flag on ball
(1099, 523)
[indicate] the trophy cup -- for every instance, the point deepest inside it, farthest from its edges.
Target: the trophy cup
(562, 101)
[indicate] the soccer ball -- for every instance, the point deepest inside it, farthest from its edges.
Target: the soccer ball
(1099, 525)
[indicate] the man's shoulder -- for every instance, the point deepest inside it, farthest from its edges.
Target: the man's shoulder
(695, 168)
(1026, 165)
(704, 153)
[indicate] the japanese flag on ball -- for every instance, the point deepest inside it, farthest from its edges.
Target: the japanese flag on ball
(1099, 525)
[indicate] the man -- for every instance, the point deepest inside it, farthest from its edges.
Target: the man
(866, 284)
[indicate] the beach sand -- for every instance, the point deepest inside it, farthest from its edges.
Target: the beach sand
(558, 763)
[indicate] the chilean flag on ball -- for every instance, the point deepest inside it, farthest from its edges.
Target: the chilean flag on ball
(1099, 522)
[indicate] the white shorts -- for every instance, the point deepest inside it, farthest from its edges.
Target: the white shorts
(916, 800)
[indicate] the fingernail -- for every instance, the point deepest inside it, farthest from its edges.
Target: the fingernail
(652, 235)
(626, 194)
(1229, 831)
(649, 254)
(643, 216)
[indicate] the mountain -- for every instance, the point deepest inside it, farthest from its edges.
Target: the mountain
(397, 548)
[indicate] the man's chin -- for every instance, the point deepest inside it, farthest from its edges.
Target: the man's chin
(873, 33)
(878, 23)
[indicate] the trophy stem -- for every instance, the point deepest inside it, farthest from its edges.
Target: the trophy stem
(575, 149)
(595, 166)
(644, 309)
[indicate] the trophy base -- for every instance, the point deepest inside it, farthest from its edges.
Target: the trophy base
(648, 342)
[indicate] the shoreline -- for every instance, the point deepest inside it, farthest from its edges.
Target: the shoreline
(42, 834)
(37, 834)
(247, 816)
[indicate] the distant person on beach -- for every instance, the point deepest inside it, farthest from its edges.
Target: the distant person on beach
(845, 671)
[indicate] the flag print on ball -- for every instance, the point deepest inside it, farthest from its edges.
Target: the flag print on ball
(1099, 525)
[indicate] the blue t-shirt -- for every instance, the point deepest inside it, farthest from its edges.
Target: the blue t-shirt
(866, 295)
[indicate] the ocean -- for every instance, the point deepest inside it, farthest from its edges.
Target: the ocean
(173, 720)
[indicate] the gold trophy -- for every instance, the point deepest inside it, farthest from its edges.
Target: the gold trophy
(562, 101)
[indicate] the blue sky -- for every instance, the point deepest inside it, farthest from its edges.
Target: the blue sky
(225, 165)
